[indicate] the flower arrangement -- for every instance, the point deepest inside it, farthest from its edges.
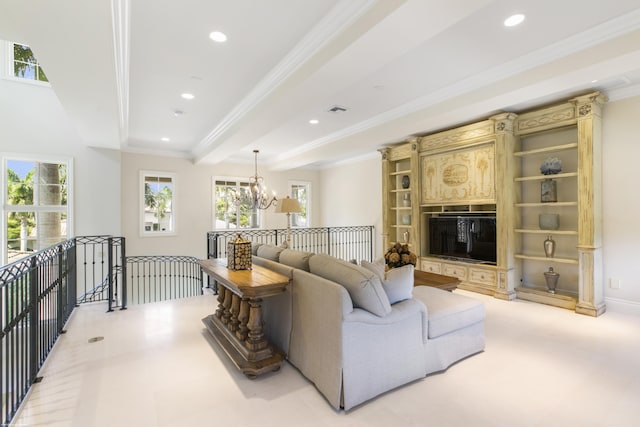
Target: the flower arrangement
(399, 255)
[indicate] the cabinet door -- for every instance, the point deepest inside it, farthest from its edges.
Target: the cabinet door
(486, 277)
(430, 266)
(454, 270)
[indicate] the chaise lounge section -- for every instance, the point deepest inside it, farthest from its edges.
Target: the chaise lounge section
(339, 328)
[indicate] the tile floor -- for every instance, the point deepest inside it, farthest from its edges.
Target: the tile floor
(157, 366)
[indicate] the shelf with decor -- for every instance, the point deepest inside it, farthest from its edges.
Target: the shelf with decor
(543, 177)
(547, 150)
(398, 195)
(542, 231)
(554, 154)
(547, 259)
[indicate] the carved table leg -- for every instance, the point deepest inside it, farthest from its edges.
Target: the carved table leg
(243, 318)
(255, 340)
(235, 309)
(220, 310)
(226, 314)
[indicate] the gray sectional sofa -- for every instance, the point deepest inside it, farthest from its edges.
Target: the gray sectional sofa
(338, 327)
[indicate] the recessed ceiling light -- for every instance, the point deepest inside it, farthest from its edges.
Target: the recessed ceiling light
(218, 37)
(594, 81)
(187, 96)
(514, 20)
(165, 139)
(314, 121)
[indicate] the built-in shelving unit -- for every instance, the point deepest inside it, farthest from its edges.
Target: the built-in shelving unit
(492, 167)
(400, 213)
(569, 132)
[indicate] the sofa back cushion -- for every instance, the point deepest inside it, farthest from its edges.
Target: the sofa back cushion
(364, 287)
(254, 247)
(295, 259)
(270, 252)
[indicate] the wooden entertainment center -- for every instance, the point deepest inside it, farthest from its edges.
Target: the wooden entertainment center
(493, 168)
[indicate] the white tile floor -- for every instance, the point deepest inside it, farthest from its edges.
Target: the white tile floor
(157, 366)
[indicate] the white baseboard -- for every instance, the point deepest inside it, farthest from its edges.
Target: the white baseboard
(622, 306)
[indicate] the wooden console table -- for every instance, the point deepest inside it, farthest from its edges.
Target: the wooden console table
(237, 323)
(425, 278)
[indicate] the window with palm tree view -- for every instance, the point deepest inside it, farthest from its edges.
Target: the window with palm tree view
(35, 206)
(158, 213)
(25, 64)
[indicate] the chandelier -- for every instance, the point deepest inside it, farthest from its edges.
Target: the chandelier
(258, 198)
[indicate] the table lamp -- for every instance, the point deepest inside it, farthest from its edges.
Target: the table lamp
(288, 206)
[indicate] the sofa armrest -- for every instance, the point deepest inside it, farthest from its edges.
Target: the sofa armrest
(319, 305)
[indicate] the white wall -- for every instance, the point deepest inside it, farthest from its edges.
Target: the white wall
(194, 210)
(352, 195)
(32, 121)
(621, 203)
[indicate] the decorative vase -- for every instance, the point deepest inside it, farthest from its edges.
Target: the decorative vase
(549, 247)
(551, 277)
(406, 200)
(406, 219)
(549, 221)
(405, 181)
(548, 191)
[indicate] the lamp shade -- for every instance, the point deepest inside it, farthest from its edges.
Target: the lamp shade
(287, 205)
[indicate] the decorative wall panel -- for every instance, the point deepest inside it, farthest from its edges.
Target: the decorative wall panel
(463, 176)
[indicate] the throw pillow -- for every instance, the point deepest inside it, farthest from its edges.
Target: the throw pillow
(364, 287)
(398, 283)
(377, 267)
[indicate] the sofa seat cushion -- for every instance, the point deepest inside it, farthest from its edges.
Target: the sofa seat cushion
(364, 287)
(448, 311)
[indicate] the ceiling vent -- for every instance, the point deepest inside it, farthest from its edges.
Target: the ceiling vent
(337, 109)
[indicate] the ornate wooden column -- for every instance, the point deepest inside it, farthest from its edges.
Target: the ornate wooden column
(590, 281)
(386, 203)
(507, 218)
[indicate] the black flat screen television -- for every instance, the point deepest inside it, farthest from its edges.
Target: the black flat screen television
(464, 238)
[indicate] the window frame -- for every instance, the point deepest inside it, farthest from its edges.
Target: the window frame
(173, 231)
(306, 184)
(238, 182)
(5, 158)
(7, 70)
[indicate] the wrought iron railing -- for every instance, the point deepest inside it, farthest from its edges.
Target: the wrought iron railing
(160, 278)
(346, 243)
(101, 271)
(37, 296)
